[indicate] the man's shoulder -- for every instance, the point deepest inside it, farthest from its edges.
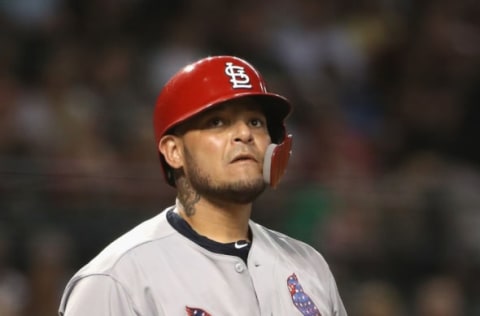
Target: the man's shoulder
(283, 243)
(117, 262)
(141, 236)
(274, 235)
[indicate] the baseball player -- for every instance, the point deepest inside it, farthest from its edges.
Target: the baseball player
(221, 140)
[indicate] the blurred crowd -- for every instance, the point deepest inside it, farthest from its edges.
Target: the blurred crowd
(385, 174)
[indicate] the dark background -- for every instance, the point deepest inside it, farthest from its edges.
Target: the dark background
(384, 180)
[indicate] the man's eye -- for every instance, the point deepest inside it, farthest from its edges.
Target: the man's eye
(215, 122)
(257, 122)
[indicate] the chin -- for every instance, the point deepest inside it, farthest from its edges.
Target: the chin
(239, 192)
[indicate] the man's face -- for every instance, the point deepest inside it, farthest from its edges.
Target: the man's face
(224, 150)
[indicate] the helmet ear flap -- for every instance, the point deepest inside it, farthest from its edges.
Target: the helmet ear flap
(276, 161)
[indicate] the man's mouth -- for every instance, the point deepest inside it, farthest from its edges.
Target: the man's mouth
(244, 157)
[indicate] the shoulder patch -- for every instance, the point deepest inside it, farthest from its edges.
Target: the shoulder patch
(195, 311)
(300, 299)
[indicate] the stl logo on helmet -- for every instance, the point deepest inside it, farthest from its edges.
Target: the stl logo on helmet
(238, 77)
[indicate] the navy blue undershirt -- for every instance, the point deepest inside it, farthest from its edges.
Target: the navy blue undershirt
(186, 230)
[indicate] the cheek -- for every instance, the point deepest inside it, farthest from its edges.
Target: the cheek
(206, 150)
(213, 144)
(262, 142)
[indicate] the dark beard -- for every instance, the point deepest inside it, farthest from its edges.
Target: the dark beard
(238, 192)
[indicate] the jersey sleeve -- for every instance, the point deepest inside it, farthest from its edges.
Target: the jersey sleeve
(97, 295)
(338, 309)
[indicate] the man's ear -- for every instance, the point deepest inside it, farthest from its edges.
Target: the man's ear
(170, 147)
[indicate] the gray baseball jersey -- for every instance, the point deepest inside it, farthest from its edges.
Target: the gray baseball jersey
(154, 270)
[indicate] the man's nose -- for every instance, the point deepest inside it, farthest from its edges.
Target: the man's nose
(242, 132)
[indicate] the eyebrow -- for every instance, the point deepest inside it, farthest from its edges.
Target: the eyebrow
(251, 106)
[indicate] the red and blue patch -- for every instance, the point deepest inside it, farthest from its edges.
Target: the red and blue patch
(194, 311)
(300, 299)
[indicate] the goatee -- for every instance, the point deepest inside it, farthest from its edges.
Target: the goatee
(238, 192)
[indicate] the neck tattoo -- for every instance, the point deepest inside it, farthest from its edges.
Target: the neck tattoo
(187, 196)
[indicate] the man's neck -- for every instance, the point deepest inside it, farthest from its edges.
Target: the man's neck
(221, 222)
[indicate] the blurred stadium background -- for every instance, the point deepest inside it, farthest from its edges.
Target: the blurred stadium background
(384, 180)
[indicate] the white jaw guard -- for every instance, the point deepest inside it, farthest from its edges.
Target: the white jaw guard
(276, 160)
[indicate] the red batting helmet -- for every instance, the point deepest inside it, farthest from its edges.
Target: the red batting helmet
(209, 82)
